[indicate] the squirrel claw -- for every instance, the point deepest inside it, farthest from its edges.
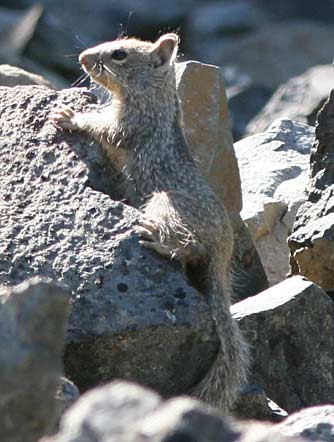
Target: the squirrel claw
(157, 247)
(63, 118)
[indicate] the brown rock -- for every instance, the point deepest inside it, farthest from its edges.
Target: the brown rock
(312, 241)
(208, 130)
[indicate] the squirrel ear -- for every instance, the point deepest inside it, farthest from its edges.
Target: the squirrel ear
(165, 50)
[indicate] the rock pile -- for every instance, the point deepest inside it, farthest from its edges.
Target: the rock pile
(134, 315)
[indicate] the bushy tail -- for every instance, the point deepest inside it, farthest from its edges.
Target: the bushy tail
(227, 376)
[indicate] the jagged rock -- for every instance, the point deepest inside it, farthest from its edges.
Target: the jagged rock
(33, 320)
(290, 328)
(312, 241)
(11, 76)
(270, 62)
(58, 220)
(274, 171)
(314, 423)
(254, 404)
(207, 127)
(245, 103)
(124, 412)
(299, 99)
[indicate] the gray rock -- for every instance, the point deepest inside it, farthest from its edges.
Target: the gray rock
(311, 243)
(244, 104)
(66, 395)
(11, 76)
(33, 320)
(121, 412)
(314, 423)
(16, 30)
(274, 168)
(270, 62)
(299, 99)
(58, 220)
(290, 328)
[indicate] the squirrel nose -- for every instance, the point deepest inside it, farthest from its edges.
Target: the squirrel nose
(83, 58)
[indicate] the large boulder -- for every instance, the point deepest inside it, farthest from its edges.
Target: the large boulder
(312, 241)
(274, 171)
(59, 221)
(299, 99)
(290, 328)
(33, 319)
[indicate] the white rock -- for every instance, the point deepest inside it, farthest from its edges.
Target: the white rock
(274, 170)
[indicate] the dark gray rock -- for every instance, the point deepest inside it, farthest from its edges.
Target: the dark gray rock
(299, 99)
(123, 412)
(312, 241)
(314, 423)
(244, 104)
(58, 220)
(33, 320)
(254, 404)
(290, 328)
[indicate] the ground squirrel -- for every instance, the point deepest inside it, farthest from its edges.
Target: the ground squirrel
(141, 133)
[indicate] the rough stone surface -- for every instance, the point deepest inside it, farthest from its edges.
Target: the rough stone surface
(32, 330)
(290, 328)
(129, 305)
(274, 168)
(314, 423)
(272, 61)
(312, 241)
(121, 412)
(207, 127)
(254, 404)
(299, 99)
(11, 76)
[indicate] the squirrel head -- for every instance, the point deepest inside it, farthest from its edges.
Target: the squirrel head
(131, 65)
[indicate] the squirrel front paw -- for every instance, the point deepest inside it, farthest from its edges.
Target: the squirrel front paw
(63, 117)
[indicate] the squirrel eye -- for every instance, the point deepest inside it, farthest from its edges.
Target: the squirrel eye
(118, 54)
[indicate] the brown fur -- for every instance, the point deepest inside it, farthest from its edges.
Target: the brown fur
(182, 218)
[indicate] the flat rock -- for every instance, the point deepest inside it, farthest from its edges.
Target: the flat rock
(207, 126)
(59, 221)
(312, 241)
(33, 320)
(290, 328)
(299, 99)
(125, 412)
(314, 423)
(274, 168)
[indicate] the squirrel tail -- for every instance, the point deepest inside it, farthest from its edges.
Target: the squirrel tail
(228, 375)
